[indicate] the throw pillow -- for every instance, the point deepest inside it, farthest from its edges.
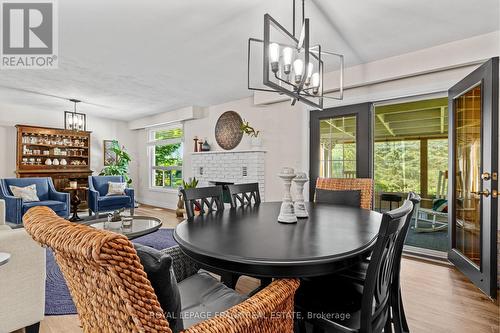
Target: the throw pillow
(27, 193)
(350, 198)
(440, 205)
(158, 267)
(116, 188)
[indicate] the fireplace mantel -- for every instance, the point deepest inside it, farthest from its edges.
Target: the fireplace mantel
(231, 166)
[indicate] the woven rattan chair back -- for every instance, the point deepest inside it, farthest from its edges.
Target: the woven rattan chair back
(205, 199)
(375, 308)
(104, 275)
(244, 194)
(365, 185)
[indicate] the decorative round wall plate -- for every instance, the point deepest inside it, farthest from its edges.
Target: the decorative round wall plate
(227, 130)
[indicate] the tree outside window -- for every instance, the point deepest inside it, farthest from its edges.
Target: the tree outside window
(166, 162)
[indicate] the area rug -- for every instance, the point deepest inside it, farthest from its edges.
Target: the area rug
(57, 298)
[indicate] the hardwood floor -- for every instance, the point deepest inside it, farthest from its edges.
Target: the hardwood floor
(437, 298)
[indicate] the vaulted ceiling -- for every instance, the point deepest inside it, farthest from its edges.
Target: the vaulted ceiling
(126, 59)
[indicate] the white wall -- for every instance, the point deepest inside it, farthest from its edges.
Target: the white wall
(283, 129)
(102, 129)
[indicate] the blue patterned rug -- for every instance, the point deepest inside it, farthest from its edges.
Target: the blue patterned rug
(57, 298)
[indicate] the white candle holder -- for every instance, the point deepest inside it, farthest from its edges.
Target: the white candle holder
(287, 212)
(299, 205)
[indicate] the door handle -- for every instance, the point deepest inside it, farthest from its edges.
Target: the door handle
(485, 193)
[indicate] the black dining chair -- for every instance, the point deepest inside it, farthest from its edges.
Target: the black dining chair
(201, 198)
(206, 200)
(344, 305)
(244, 194)
(358, 272)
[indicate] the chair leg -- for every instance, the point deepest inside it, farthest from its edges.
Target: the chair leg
(132, 210)
(33, 328)
(404, 323)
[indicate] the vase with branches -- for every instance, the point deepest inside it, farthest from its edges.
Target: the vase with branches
(255, 139)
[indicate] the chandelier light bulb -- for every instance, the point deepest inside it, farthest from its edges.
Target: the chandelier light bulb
(298, 68)
(274, 56)
(315, 82)
(310, 67)
(287, 60)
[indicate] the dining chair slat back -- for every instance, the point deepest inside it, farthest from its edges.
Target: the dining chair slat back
(243, 194)
(365, 185)
(204, 199)
(375, 308)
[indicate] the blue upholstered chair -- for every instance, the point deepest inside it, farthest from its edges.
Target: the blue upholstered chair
(46, 192)
(100, 202)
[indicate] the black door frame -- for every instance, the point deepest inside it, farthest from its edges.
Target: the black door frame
(486, 276)
(364, 145)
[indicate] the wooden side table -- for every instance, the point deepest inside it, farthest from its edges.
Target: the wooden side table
(75, 201)
(4, 258)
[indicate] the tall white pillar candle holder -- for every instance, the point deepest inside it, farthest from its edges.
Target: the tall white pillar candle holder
(287, 214)
(299, 205)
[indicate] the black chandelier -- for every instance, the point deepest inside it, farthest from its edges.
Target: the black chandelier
(73, 120)
(291, 65)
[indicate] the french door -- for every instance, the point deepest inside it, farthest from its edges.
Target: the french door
(473, 183)
(340, 143)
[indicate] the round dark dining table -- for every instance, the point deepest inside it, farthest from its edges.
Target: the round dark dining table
(250, 241)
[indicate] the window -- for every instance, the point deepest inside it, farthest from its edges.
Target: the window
(338, 147)
(166, 151)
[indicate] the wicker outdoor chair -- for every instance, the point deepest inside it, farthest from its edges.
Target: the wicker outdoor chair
(112, 292)
(365, 185)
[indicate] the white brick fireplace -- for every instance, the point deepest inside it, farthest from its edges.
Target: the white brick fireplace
(243, 166)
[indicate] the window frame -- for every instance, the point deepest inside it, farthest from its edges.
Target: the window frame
(151, 144)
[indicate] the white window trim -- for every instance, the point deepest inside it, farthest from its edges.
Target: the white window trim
(151, 143)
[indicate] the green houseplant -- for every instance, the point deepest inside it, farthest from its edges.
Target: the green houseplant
(255, 140)
(120, 166)
(190, 183)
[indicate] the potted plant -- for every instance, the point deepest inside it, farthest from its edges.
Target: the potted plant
(255, 139)
(120, 166)
(190, 183)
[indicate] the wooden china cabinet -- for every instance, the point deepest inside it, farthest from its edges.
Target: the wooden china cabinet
(63, 155)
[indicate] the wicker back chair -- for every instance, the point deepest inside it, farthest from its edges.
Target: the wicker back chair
(112, 293)
(365, 185)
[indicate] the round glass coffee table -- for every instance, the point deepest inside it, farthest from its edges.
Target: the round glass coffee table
(4, 258)
(141, 225)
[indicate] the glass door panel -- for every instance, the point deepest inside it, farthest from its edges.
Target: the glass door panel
(473, 177)
(338, 147)
(468, 174)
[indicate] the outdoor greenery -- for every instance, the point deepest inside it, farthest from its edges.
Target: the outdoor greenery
(168, 153)
(397, 166)
(120, 165)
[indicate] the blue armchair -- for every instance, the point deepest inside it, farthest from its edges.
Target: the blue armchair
(100, 202)
(46, 192)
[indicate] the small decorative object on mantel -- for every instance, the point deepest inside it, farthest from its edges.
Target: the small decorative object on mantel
(287, 212)
(299, 206)
(73, 184)
(205, 146)
(227, 130)
(256, 141)
(195, 144)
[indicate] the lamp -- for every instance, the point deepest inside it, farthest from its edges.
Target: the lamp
(73, 120)
(285, 52)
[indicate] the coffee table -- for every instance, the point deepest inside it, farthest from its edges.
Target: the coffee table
(4, 258)
(141, 225)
